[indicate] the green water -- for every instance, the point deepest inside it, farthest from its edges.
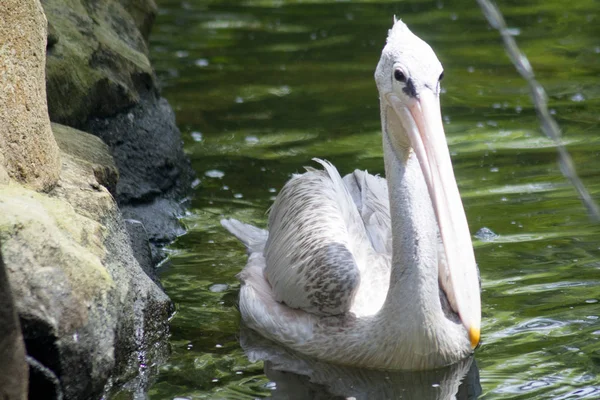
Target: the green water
(260, 87)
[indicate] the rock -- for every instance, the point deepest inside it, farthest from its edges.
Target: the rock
(100, 80)
(29, 153)
(141, 247)
(161, 223)
(143, 13)
(13, 368)
(43, 383)
(91, 151)
(155, 172)
(89, 312)
(147, 148)
(97, 62)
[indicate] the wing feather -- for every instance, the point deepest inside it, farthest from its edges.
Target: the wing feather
(316, 241)
(370, 194)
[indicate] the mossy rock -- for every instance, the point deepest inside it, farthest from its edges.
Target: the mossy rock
(88, 309)
(97, 58)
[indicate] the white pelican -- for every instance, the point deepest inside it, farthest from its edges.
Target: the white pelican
(361, 272)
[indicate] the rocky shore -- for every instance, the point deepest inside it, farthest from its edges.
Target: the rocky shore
(92, 178)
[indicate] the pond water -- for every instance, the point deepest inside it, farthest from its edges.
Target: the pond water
(262, 86)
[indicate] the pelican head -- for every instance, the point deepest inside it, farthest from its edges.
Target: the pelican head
(408, 79)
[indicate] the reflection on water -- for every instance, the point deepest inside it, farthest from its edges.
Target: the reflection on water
(262, 86)
(297, 377)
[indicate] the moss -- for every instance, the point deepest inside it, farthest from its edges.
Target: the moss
(48, 233)
(97, 62)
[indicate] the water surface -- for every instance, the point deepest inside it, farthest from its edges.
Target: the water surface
(260, 87)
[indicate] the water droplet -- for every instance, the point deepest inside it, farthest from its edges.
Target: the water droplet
(494, 169)
(197, 136)
(215, 173)
(195, 183)
(238, 195)
(591, 301)
(577, 97)
(239, 100)
(471, 70)
(218, 287)
(272, 190)
(218, 346)
(271, 385)
(182, 54)
(201, 62)
(251, 139)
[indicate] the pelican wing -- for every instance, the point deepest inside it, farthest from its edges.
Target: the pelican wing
(318, 246)
(370, 194)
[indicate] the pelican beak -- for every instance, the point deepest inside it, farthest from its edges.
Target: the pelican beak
(422, 121)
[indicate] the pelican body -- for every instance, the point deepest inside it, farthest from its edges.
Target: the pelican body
(366, 272)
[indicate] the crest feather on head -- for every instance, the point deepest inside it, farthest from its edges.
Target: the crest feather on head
(399, 28)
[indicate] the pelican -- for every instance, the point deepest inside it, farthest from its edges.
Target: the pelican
(363, 272)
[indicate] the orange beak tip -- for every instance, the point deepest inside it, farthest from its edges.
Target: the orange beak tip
(474, 335)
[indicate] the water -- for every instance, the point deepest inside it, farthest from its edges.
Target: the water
(260, 87)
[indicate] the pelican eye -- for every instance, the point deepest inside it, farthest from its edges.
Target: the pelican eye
(399, 76)
(441, 77)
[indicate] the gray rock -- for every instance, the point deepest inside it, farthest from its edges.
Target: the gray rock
(99, 79)
(89, 312)
(148, 151)
(13, 368)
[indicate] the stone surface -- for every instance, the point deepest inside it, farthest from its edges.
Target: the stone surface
(100, 80)
(91, 151)
(89, 312)
(29, 152)
(97, 63)
(147, 148)
(13, 368)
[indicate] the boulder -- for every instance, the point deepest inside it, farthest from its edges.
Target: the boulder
(13, 368)
(28, 152)
(97, 62)
(100, 80)
(88, 310)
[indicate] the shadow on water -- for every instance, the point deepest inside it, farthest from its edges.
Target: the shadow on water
(297, 377)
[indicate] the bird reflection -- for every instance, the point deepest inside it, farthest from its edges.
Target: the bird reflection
(298, 377)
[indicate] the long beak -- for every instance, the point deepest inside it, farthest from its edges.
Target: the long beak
(423, 124)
